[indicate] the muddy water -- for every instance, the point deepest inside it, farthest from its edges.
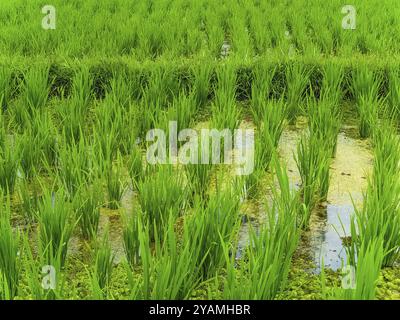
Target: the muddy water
(330, 223)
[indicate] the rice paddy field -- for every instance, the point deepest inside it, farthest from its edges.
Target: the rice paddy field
(313, 85)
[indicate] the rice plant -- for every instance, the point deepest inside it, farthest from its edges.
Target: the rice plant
(102, 268)
(36, 88)
(9, 252)
(9, 163)
(333, 77)
(261, 89)
(380, 214)
(313, 164)
(87, 202)
(136, 168)
(366, 88)
(201, 82)
(56, 223)
(297, 79)
(29, 200)
(225, 112)
(115, 183)
(364, 285)
(75, 166)
(262, 271)
(158, 194)
(131, 238)
(218, 221)
(5, 87)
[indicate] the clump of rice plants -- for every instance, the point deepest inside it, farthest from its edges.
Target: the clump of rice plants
(158, 194)
(380, 214)
(115, 183)
(103, 266)
(313, 164)
(331, 90)
(9, 163)
(29, 201)
(9, 252)
(175, 266)
(56, 222)
(201, 82)
(364, 284)
(394, 93)
(366, 85)
(297, 79)
(87, 202)
(75, 167)
(225, 112)
(36, 88)
(262, 271)
(5, 87)
(261, 90)
(324, 122)
(131, 238)
(218, 222)
(199, 174)
(136, 167)
(182, 110)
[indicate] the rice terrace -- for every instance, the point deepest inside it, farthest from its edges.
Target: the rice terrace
(199, 150)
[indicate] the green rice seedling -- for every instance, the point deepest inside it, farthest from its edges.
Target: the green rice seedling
(9, 163)
(394, 93)
(313, 164)
(44, 130)
(183, 111)
(368, 111)
(75, 166)
(268, 136)
(128, 132)
(159, 193)
(56, 223)
(131, 238)
(29, 201)
(87, 204)
(261, 88)
(115, 183)
(365, 87)
(9, 251)
(324, 123)
(225, 113)
(136, 168)
(30, 154)
(199, 174)
(380, 214)
(43, 273)
(264, 148)
(176, 266)
(3, 135)
(262, 271)
(119, 91)
(5, 87)
(217, 221)
(20, 114)
(369, 263)
(202, 75)
(36, 88)
(331, 90)
(103, 266)
(253, 183)
(72, 118)
(297, 78)
(365, 83)
(82, 87)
